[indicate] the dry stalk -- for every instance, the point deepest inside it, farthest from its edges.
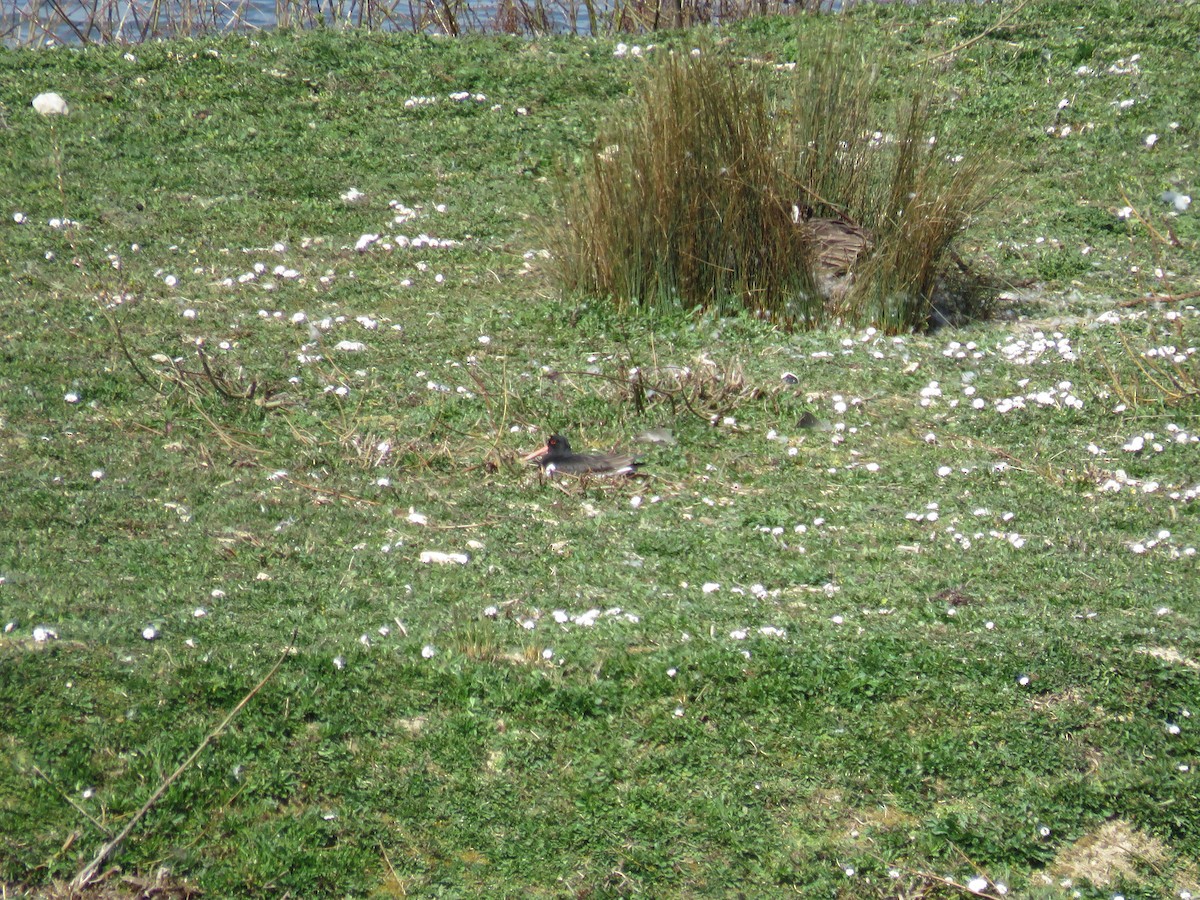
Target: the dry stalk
(494, 454)
(100, 826)
(1159, 298)
(117, 333)
(86, 875)
(135, 21)
(954, 885)
(999, 23)
(330, 492)
(1175, 382)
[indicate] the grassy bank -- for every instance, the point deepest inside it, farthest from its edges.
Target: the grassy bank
(920, 613)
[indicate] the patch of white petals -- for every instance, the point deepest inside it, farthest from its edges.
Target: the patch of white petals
(439, 557)
(1038, 348)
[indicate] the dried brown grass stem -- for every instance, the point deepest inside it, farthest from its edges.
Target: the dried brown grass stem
(85, 875)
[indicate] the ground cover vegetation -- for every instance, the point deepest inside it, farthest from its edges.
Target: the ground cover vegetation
(901, 615)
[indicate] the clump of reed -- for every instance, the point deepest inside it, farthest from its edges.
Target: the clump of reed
(793, 196)
(684, 202)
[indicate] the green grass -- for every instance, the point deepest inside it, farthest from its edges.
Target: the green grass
(881, 734)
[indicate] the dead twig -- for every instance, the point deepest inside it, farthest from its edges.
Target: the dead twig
(104, 829)
(226, 438)
(391, 869)
(220, 385)
(494, 452)
(1160, 298)
(1046, 471)
(707, 396)
(116, 329)
(330, 492)
(88, 872)
(999, 23)
(954, 884)
(1156, 236)
(1174, 380)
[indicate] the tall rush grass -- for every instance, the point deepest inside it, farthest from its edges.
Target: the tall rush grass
(683, 203)
(695, 196)
(927, 198)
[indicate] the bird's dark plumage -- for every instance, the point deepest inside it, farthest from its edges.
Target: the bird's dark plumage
(557, 456)
(838, 244)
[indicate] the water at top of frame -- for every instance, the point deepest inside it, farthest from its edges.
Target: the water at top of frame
(75, 22)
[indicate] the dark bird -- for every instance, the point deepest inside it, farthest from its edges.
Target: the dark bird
(839, 244)
(557, 456)
(836, 243)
